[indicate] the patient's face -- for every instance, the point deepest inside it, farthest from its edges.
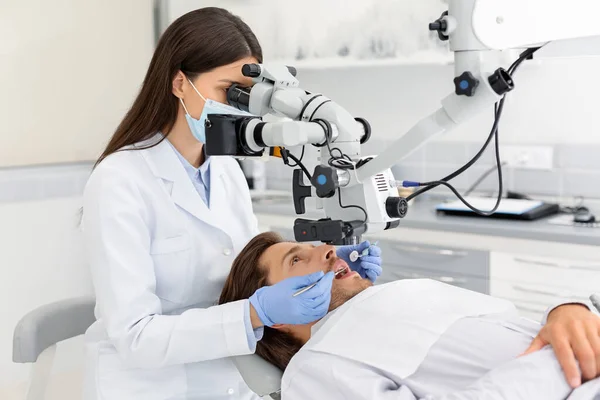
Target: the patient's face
(287, 259)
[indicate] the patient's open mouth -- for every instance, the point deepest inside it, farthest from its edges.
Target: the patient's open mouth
(341, 272)
(341, 269)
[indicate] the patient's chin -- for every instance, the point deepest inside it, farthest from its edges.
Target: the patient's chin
(343, 290)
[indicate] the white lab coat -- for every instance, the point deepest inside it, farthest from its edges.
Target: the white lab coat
(159, 258)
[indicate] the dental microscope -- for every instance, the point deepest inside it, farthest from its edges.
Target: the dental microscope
(358, 193)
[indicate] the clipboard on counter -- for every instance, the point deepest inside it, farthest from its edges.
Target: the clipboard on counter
(515, 209)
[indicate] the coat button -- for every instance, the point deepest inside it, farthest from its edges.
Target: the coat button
(227, 252)
(230, 391)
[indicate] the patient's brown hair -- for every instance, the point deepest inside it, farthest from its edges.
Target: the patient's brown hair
(245, 278)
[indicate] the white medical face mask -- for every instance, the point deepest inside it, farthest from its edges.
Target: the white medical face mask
(210, 107)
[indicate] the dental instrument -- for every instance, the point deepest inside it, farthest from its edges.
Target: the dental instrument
(355, 256)
(307, 288)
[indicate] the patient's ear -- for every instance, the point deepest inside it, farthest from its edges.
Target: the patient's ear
(281, 327)
(300, 332)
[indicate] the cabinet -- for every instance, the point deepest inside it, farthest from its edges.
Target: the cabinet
(533, 283)
(460, 267)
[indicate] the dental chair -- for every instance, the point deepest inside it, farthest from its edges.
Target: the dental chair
(38, 332)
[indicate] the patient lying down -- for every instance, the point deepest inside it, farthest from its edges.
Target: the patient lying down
(409, 339)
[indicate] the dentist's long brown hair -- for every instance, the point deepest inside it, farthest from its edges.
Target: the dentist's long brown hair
(196, 42)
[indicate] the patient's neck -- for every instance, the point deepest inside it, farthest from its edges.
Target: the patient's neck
(302, 332)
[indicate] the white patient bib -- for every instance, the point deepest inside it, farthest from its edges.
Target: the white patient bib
(392, 327)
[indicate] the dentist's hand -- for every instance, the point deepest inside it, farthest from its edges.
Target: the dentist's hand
(276, 305)
(368, 266)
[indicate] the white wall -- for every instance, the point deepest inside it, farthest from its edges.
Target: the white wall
(319, 29)
(555, 100)
(69, 70)
(42, 261)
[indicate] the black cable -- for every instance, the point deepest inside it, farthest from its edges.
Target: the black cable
(498, 107)
(481, 179)
(301, 158)
(299, 163)
(500, 188)
(522, 57)
(334, 161)
(317, 109)
(351, 206)
(475, 210)
(576, 208)
(498, 113)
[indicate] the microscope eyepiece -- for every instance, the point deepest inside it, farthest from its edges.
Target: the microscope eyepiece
(255, 70)
(251, 70)
(239, 97)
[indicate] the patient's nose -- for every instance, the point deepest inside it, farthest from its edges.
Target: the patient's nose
(328, 253)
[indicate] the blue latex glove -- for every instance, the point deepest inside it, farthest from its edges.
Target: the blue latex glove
(368, 266)
(276, 305)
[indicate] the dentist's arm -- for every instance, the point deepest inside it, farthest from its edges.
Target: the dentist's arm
(116, 230)
(116, 225)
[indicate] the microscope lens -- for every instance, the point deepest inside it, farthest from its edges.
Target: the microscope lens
(238, 97)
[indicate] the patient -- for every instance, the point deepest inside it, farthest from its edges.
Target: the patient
(409, 339)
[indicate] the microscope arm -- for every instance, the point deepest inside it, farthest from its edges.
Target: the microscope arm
(355, 191)
(476, 28)
(455, 110)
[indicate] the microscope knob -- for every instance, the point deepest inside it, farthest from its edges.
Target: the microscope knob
(465, 84)
(396, 207)
(367, 129)
(440, 25)
(501, 81)
(325, 180)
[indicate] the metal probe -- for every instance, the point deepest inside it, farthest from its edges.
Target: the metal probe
(307, 288)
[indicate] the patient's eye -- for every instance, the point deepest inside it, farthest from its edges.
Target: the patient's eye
(295, 260)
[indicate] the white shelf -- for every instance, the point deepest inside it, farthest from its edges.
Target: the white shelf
(420, 59)
(428, 58)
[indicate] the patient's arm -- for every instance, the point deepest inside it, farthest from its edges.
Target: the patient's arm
(536, 376)
(573, 331)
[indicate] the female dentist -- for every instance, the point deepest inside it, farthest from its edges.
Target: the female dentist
(162, 224)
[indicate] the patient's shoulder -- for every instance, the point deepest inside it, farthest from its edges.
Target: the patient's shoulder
(306, 366)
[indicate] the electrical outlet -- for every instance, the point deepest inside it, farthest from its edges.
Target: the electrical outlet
(528, 157)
